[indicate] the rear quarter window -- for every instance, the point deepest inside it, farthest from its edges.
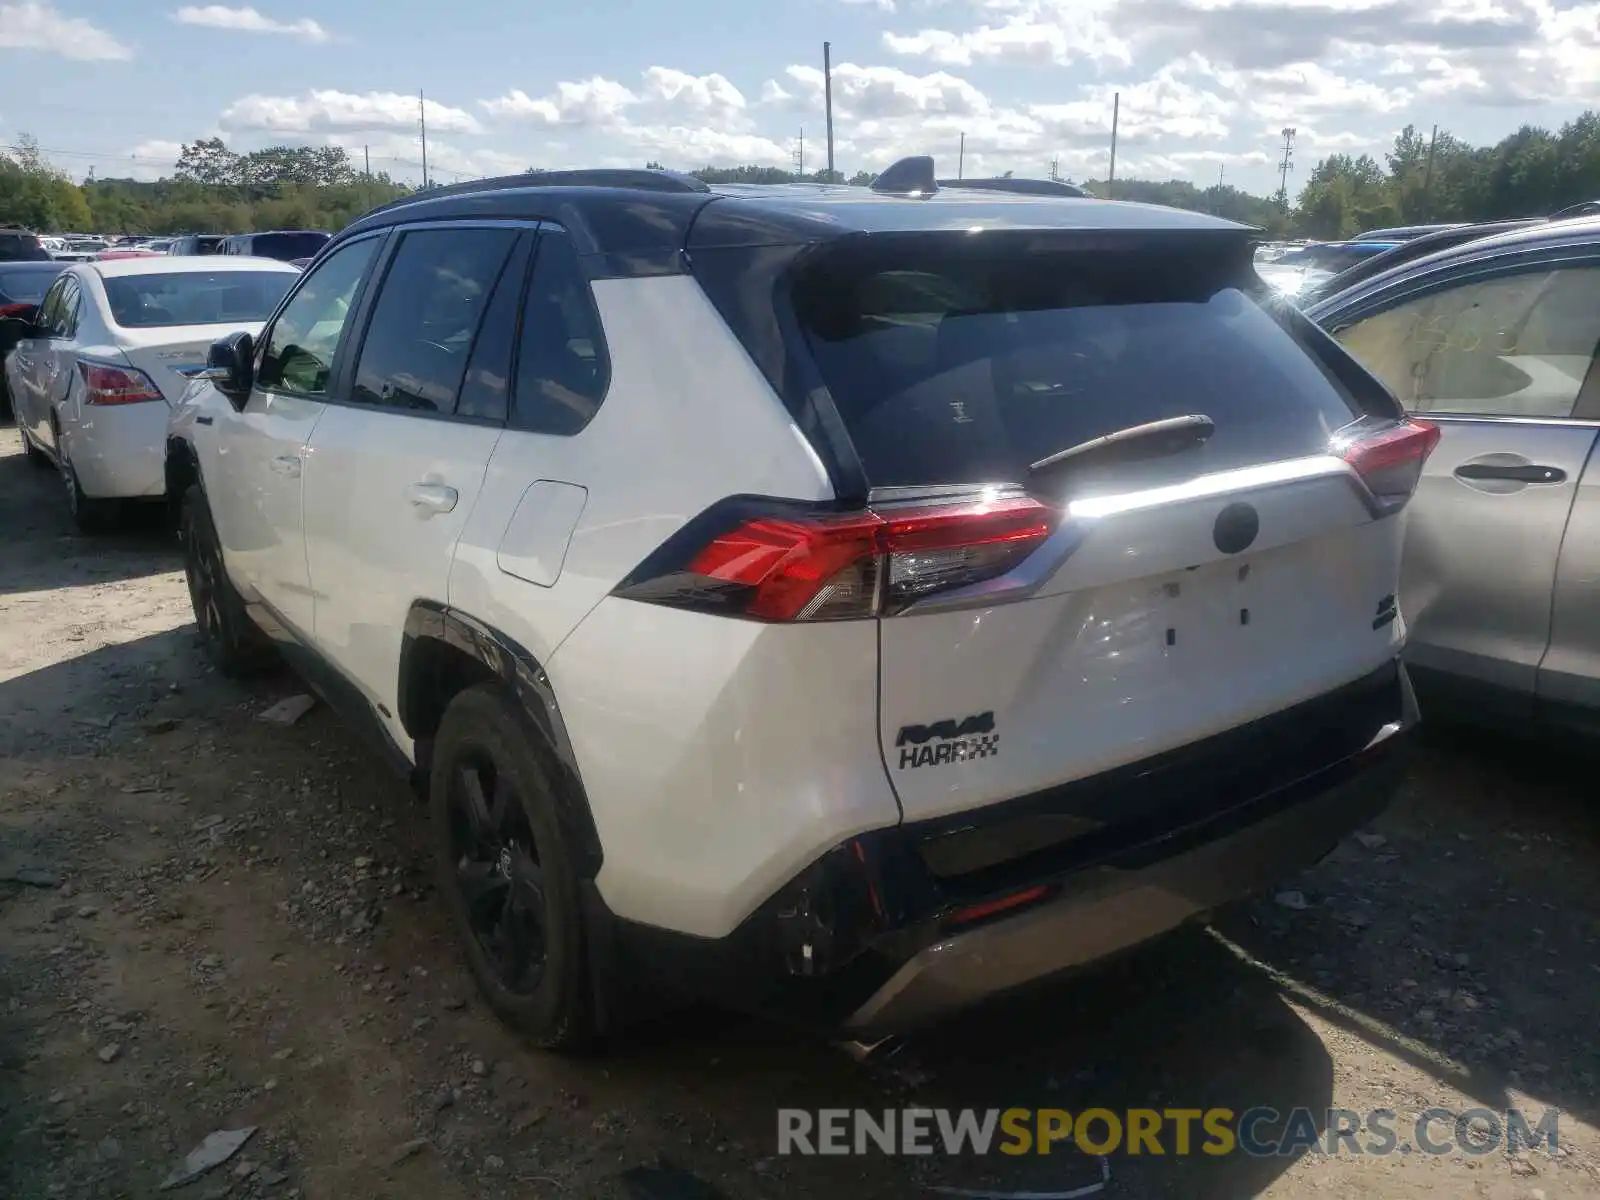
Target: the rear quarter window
(950, 367)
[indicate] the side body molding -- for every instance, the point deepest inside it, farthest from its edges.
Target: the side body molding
(436, 636)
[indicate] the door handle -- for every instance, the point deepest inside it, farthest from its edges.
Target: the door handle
(1511, 472)
(430, 498)
(287, 464)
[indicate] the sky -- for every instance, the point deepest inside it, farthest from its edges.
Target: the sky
(1206, 86)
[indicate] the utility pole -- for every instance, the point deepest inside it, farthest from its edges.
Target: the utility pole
(827, 99)
(1116, 116)
(800, 154)
(1055, 169)
(1221, 171)
(366, 162)
(1427, 178)
(961, 158)
(422, 116)
(1285, 165)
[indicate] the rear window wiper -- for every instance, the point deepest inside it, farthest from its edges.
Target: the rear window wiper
(1154, 439)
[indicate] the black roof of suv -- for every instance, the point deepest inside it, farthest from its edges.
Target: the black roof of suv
(628, 223)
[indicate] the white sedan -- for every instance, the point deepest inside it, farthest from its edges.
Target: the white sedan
(111, 349)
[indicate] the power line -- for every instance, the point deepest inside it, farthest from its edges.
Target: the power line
(1285, 165)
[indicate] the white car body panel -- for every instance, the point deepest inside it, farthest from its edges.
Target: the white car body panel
(386, 496)
(1102, 665)
(654, 436)
(720, 757)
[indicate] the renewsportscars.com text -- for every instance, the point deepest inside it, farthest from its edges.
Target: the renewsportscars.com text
(1257, 1132)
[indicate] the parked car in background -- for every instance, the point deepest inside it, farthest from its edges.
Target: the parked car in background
(197, 243)
(1494, 342)
(125, 252)
(1073, 563)
(22, 286)
(21, 245)
(286, 245)
(112, 345)
(1292, 273)
(1408, 251)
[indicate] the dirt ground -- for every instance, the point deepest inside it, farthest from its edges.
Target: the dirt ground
(229, 924)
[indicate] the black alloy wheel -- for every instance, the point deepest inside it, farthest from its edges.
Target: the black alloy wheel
(498, 878)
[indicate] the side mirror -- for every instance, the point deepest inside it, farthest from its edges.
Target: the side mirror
(230, 367)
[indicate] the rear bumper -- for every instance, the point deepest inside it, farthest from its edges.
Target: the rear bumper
(1107, 910)
(119, 451)
(884, 933)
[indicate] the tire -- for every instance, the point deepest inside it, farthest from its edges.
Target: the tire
(230, 639)
(507, 874)
(88, 514)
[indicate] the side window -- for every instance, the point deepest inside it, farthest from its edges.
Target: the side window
(50, 305)
(1515, 345)
(301, 344)
(427, 314)
(66, 323)
(562, 366)
(486, 389)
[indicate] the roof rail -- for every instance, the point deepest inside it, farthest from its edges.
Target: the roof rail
(621, 177)
(1020, 187)
(909, 177)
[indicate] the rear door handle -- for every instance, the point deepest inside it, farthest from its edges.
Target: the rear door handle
(287, 464)
(430, 498)
(1511, 473)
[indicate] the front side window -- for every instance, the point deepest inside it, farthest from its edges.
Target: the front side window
(1512, 345)
(562, 367)
(427, 315)
(301, 344)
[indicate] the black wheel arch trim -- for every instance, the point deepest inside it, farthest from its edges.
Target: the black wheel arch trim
(524, 676)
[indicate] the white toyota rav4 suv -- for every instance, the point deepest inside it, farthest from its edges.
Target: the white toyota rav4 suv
(849, 603)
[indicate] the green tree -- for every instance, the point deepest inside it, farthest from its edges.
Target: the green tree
(209, 161)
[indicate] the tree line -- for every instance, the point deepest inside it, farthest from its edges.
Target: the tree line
(1423, 178)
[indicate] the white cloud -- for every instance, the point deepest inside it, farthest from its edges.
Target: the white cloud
(704, 94)
(1034, 32)
(593, 101)
(36, 26)
(248, 20)
(328, 111)
(1166, 106)
(881, 92)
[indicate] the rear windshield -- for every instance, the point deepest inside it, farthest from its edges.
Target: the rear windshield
(286, 246)
(25, 287)
(196, 298)
(949, 366)
(22, 247)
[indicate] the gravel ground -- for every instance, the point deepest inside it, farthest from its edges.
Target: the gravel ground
(230, 926)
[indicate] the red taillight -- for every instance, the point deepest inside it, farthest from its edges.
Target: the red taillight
(1390, 460)
(13, 310)
(805, 567)
(116, 385)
